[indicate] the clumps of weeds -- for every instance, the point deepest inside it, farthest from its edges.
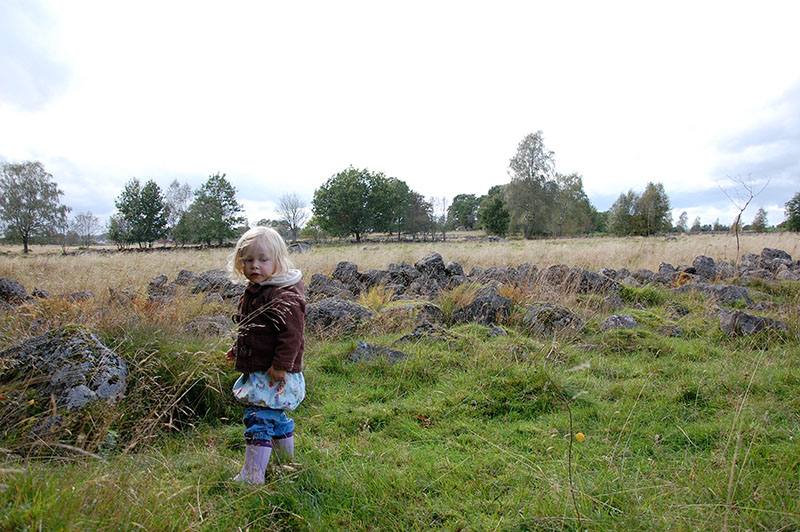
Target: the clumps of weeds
(647, 296)
(451, 300)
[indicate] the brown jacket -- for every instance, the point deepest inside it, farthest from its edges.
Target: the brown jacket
(271, 321)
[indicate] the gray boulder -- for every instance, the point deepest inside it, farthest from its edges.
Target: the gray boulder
(619, 321)
(159, 290)
(12, 292)
(232, 290)
(347, 273)
(372, 277)
(506, 275)
(299, 247)
(365, 352)
(322, 286)
(210, 281)
(486, 309)
(554, 275)
(722, 293)
(433, 267)
(401, 275)
(705, 268)
(428, 331)
(583, 281)
(550, 319)
(736, 322)
(185, 278)
(70, 363)
(335, 313)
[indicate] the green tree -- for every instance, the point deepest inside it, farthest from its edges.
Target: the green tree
(792, 213)
(652, 211)
(696, 227)
(85, 225)
(144, 212)
(354, 202)
(621, 214)
(118, 230)
(683, 222)
(419, 215)
(215, 213)
(572, 212)
(463, 211)
(759, 224)
(177, 198)
(528, 197)
(493, 215)
(30, 203)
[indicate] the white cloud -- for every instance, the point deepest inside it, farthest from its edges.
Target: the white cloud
(280, 96)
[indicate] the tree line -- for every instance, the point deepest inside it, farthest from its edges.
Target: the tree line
(537, 201)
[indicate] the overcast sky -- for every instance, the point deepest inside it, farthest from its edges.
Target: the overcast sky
(280, 96)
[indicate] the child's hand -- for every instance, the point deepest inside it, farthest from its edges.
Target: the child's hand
(276, 375)
(229, 355)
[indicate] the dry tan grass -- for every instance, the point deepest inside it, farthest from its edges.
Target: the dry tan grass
(48, 269)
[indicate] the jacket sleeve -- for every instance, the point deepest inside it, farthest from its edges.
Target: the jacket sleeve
(289, 338)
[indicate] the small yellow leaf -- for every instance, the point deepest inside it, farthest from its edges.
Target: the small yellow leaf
(31, 402)
(580, 436)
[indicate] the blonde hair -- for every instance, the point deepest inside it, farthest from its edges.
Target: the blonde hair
(270, 241)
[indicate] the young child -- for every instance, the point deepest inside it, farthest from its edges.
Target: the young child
(268, 349)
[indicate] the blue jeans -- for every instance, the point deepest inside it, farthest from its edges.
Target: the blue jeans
(263, 424)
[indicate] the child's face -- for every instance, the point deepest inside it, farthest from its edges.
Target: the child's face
(257, 264)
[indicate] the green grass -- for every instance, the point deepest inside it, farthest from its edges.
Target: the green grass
(698, 432)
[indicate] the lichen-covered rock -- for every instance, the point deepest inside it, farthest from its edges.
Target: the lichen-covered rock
(185, 277)
(335, 313)
(672, 330)
(70, 363)
(210, 326)
(675, 310)
(232, 290)
(705, 268)
(322, 286)
(158, 290)
(785, 274)
(210, 281)
(347, 273)
(495, 331)
(619, 321)
(402, 275)
(554, 275)
(428, 331)
(643, 275)
(372, 277)
(432, 266)
(485, 309)
(722, 293)
(365, 352)
(550, 319)
(583, 281)
(426, 287)
(79, 296)
(736, 322)
(499, 274)
(299, 247)
(12, 292)
(768, 254)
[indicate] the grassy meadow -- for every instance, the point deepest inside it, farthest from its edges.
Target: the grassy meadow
(615, 430)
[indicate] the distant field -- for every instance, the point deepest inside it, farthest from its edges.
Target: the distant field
(46, 268)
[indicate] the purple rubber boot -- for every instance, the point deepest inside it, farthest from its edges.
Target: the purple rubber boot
(284, 448)
(256, 458)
